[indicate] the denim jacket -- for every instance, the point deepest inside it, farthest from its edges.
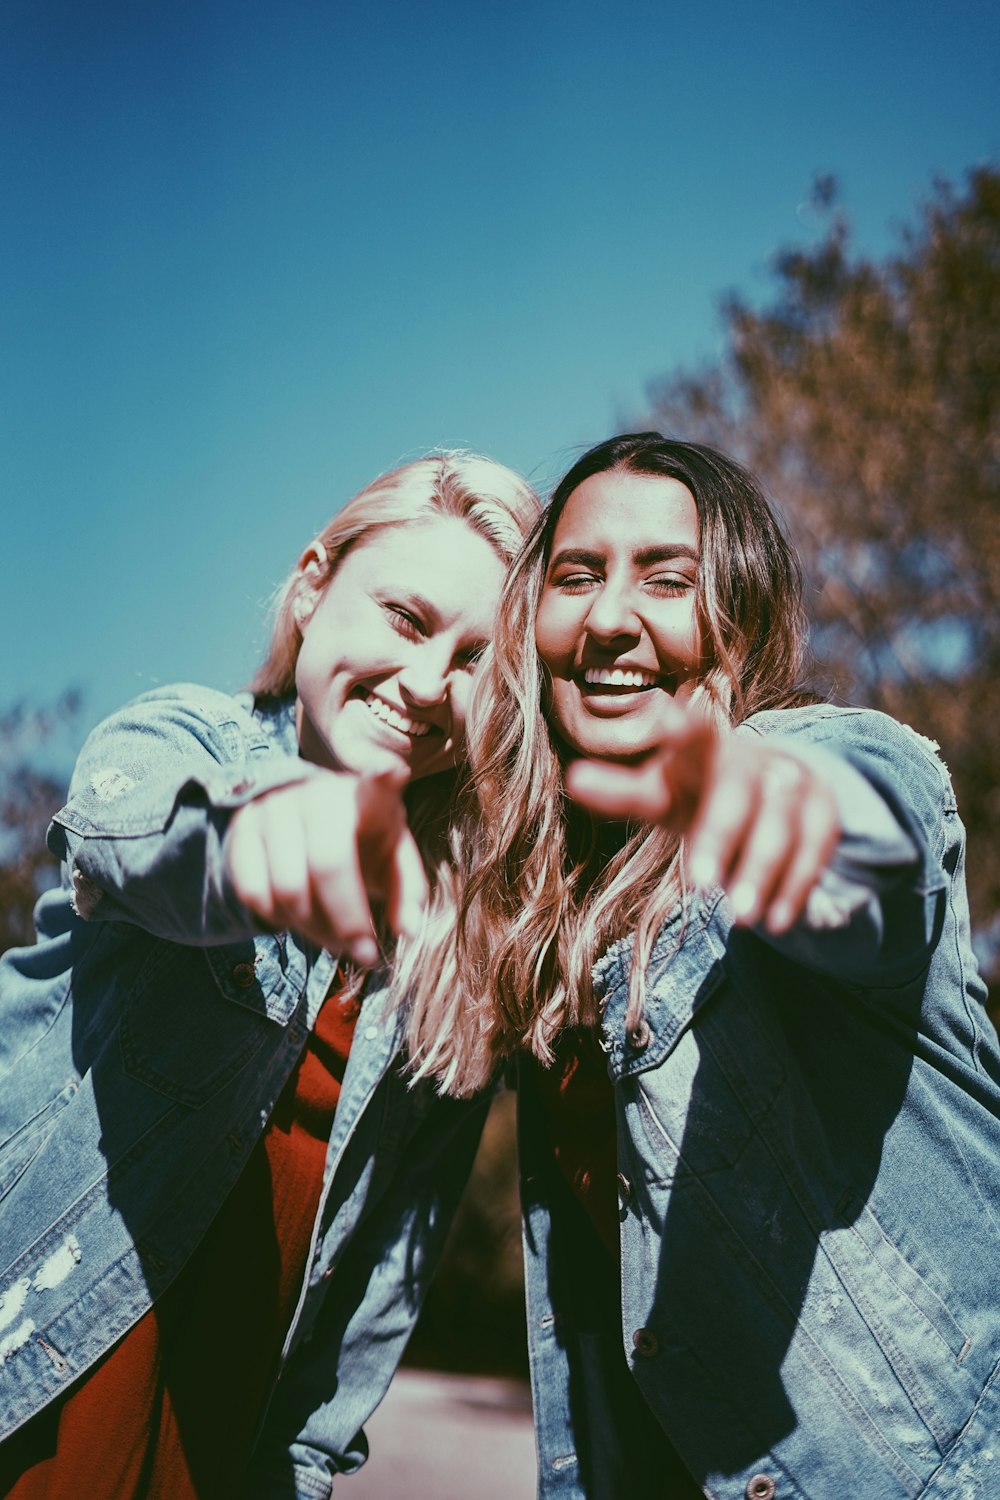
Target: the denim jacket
(145, 1039)
(809, 1183)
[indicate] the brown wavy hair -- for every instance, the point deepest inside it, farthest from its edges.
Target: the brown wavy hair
(541, 893)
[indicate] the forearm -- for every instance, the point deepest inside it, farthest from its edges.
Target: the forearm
(874, 913)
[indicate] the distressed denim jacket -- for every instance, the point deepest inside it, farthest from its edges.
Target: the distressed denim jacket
(809, 1177)
(144, 1040)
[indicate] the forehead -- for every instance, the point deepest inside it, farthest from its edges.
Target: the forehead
(441, 559)
(620, 511)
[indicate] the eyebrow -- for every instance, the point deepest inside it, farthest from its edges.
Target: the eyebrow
(644, 557)
(666, 553)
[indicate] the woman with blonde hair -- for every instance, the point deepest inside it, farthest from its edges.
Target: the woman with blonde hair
(222, 1196)
(724, 926)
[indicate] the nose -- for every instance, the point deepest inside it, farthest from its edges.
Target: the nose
(426, 678)
(612, 615)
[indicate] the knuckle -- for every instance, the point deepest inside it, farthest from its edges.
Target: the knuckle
(728, 809)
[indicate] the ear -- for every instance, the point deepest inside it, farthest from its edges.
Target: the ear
(311, 579)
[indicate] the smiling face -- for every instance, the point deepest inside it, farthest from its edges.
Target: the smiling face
(389, 647)
(616, 623)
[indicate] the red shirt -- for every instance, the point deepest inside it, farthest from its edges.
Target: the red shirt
(578, 1103)
(171, 1413)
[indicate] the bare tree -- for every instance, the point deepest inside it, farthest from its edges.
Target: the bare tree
(28, 798)
(866, 395)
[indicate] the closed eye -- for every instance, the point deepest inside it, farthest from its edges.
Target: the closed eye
(574, 583)
(670, 583)
(403, 620)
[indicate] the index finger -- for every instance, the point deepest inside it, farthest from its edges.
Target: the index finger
(666, 787)
(391, 865)
(407, 889)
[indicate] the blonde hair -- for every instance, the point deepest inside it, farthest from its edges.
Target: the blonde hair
(490, 498)
(539, 898)
(498, 505)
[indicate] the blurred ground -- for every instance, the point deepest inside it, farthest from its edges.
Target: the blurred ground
(448, 1437)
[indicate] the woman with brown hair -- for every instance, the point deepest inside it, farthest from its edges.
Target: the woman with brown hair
(759, 1090)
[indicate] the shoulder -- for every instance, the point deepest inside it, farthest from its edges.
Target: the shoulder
(174, 740)
(188, 706)
(903, 766)
(183, 719)
(854, 733)
(192, 700)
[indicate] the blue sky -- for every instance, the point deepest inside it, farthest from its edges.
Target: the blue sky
(254, 254)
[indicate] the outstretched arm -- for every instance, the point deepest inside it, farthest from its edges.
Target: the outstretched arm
(759, 820)
(186, 820)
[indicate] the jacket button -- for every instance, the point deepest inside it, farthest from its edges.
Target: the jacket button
(244, 976)
(624, 1188)
(761, 1487)
(647, 1344)
(641, 1036)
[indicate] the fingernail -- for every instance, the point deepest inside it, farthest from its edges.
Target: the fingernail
(779, 918)
(409, 923)
(703, 870)
(743, 899)
(395, 776)
(364, 951)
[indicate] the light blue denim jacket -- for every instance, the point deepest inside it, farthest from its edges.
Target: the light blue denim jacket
(144, 1041)
(809, 1177)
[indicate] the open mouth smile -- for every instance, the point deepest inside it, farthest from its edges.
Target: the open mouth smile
(386, 714)
(620, 680)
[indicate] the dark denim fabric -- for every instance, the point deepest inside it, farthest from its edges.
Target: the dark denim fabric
(809, 1159)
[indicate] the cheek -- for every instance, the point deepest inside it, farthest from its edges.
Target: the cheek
(303, 669)
(461, 691)
(554, 635)
(324, 641)
(696, 646)
(677, 639)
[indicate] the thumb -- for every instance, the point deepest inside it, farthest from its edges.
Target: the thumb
(390, 860)
(617, 791)
(407, 890)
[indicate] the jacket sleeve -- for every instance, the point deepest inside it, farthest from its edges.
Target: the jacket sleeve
(878, 911)
(141, 835)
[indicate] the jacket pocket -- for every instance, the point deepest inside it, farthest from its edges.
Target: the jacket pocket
(887, 1261)
(197, 1016)
(916, 1331)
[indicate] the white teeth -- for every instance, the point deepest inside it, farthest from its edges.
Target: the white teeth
(389, 715)
(617, 677)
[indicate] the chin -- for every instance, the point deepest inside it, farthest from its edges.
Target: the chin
(625, 755)
(622, 748)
